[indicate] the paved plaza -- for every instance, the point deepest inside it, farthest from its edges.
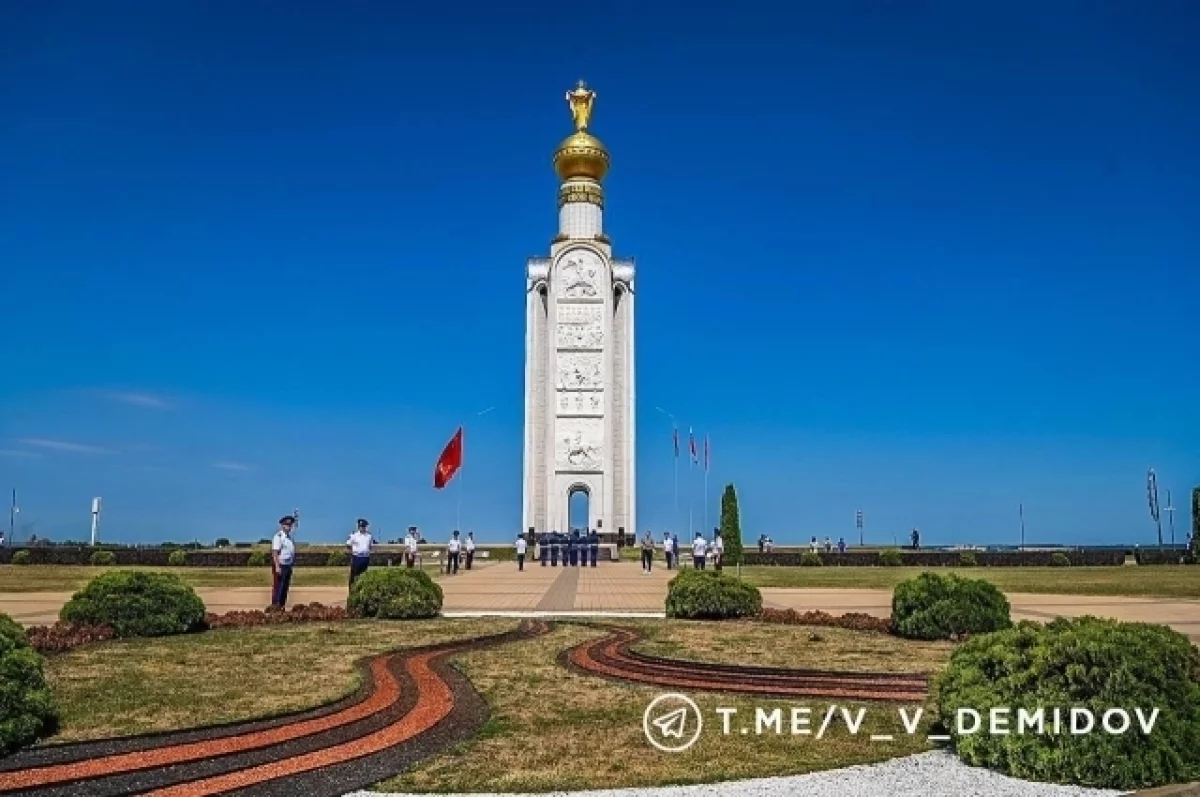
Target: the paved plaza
(622, 587)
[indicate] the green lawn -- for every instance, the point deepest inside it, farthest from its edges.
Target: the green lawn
(1168, 581)
(68, 578)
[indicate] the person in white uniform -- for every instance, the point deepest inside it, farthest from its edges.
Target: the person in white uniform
(452, 552)
(469, 548)
(521, 548)
(699, 551)
(360, 543)
(410, 547)
(283, 556)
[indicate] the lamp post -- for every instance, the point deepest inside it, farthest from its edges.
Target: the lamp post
(858, 521)
(1170, 510)
(675, 442)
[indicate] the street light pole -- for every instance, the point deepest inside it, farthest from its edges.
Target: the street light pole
(1170, 510)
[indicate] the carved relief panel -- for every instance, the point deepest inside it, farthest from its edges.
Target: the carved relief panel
(579, 371)
(579, 276)
(574, 402)
(579, 444)
(580, 326)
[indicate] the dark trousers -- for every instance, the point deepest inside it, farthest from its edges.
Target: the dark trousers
(554, 556)
(452, 563)
(410, 559)
(698, 562)
(595, 555)
(668, 557)
(573, 554)
(283, 580)
(647, 559)
(470, 558)
(358, 566)
(717, 562)
(521, 561)
(544, 555)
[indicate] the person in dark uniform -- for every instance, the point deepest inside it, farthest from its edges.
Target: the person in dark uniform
(573, 547)
(594, 546)
(543, 550)
(554, 546)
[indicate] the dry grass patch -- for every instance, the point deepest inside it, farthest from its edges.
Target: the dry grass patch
(552, 729)
(801, 647)
(1165, 581)
(144, 685)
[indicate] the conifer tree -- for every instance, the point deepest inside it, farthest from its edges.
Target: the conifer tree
(731, 526)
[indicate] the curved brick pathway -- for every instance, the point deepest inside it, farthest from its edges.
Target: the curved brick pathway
(611, 656)
(412, 705)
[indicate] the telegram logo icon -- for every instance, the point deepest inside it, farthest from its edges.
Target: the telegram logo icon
(672, 722)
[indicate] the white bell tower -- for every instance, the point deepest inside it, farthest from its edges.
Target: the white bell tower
(579, 367)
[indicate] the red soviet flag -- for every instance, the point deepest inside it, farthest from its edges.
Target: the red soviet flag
(449, 462)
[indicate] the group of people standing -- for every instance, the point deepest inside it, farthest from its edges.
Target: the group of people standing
(575, 549)
(360, 543)
(702, 550)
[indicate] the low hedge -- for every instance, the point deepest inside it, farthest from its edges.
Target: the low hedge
(27, 711)
(1085, 663)
(891, 558)
(1079, 557)
(337, 559)
(258, 559)
(968, 559)
(137, 603)
(936, 606)
(177, 559)
(810, 559)
(711, 595)
(395, 593)
(20, 558)
(1060, 560)
(1162, 556)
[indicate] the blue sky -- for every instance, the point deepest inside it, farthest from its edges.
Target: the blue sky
(931, 260)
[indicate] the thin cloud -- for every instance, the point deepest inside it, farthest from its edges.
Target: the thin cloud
(64, 446)
(16, 452)
(148, 400)
(230, 465)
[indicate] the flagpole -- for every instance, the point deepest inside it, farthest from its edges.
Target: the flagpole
(705, 484)
(461, 468)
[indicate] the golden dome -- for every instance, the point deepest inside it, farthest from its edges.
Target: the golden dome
(581, 155)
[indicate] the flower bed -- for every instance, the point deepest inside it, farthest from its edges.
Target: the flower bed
(854, 621)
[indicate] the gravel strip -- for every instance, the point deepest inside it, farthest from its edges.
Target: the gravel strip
(935, 774)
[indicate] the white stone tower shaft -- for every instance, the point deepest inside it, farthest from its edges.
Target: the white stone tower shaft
(579, 365)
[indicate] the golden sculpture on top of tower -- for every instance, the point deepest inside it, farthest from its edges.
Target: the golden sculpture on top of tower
(581, 155)
(581, 100)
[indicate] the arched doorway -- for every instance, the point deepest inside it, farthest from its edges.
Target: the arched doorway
(578, 508)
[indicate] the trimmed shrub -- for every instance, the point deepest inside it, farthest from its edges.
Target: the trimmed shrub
(395, 593)
(103, 558)
(968, 559)
(177, 559)
(811, 559)
(936, 606)
(709, 595)
(1085, 663)
(137, 603)
(27, 710)
(258, 559)
(890, 558)
(1059, 559)
(20, 558)
(337, 559)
